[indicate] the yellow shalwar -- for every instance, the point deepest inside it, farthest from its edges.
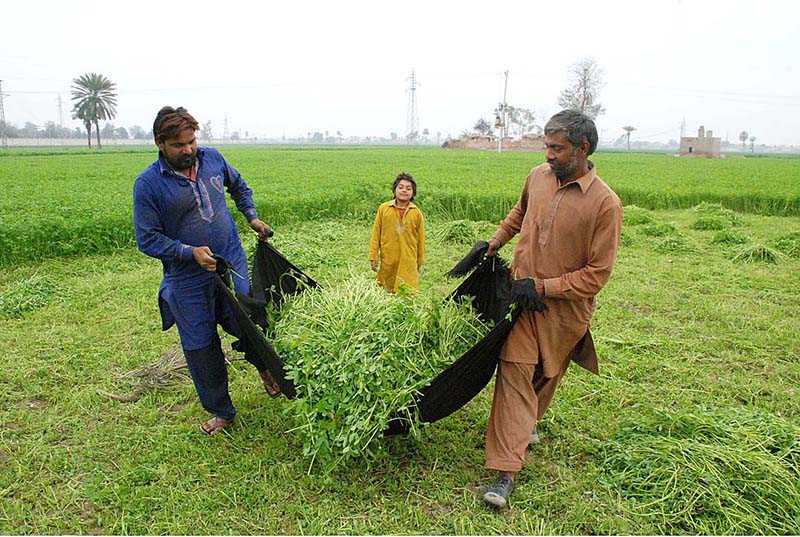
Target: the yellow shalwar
(399, 245)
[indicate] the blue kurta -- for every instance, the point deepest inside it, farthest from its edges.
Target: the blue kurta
(172, 215)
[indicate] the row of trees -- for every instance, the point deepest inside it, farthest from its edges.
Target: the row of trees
(585, 82)
(518, 121)
(744, 137)
(95, 100)
(51, 130)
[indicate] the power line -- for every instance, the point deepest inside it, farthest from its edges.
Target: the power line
(672, 130)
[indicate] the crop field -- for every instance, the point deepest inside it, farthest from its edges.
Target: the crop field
(691, 427)
(73, 203)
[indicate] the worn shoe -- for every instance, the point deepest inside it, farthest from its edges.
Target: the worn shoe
(498, 493)
(534, 436)
(273, 390)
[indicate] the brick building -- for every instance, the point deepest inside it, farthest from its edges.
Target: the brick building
(703, 145)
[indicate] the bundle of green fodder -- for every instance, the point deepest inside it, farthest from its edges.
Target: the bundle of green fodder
(458, 231)
(357, 356)
(708, 471)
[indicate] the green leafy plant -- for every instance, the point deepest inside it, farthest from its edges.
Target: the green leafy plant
(673, 245)
(730, 237)
(458, 231)
(659, 230)
(636, 216)
(756, 253)
(716, 211)
(26, 295)
(708, 471)
(357, 356)
(789, 244)
(709, 223)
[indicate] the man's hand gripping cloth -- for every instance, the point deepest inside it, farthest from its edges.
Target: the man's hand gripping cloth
(273, 278)
(492, 293)
(523, 292)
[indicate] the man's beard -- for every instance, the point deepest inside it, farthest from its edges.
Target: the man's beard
(182, 162)
(565, 171)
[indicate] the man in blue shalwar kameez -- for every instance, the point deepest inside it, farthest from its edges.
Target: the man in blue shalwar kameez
(181, 217)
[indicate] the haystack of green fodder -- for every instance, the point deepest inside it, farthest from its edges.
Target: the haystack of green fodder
(358, 355)
(707, 471)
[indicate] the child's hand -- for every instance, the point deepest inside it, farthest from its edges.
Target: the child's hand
(374, 265)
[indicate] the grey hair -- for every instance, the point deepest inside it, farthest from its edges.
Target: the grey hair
(576, 126)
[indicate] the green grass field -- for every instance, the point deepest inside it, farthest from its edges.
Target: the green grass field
(64, 203)
(692, 427)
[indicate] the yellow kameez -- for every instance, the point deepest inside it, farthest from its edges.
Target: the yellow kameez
(399, 245)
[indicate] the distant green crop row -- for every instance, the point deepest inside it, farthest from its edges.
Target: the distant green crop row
(65, 203)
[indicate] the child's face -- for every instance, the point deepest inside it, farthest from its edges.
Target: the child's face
(404, 191)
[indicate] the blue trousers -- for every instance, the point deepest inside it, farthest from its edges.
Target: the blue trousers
(210, 377)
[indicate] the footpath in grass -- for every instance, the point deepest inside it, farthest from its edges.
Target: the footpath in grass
(690, 428)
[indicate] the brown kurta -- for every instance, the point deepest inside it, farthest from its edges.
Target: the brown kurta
(569, 236)
(568, 240)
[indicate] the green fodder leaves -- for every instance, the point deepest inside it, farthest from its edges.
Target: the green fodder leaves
(627, 238)
(708, 471)
(730, 237)
(636, 216)
(714, 212)
(756, 253)
(789, 244)
(709, 223)
(659, 230)
(26, 295)
(458, 231)
(357, 356)
(675, 244)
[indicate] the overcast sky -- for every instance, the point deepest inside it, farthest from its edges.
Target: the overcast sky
(289, 68)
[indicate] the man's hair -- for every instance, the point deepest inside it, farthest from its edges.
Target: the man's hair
(171, 121)
(576, 126)
(405, 177)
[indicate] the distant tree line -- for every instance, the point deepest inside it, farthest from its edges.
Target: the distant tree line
(51, 130)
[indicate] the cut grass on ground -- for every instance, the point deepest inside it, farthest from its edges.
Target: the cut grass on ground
(687, 336)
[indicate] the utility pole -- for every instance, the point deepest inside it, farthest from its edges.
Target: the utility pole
(60, 113)
(225, 134)
(412, 121)
(3, 118)
(503, 116)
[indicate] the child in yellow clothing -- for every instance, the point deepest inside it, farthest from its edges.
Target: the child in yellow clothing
(398, 238)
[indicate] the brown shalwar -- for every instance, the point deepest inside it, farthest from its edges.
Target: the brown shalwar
(569, 237)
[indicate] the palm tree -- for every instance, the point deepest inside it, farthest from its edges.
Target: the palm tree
(743, 138)
(95, 99)
(628, 129)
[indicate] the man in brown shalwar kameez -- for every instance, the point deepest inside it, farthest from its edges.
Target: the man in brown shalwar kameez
(569, 222)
